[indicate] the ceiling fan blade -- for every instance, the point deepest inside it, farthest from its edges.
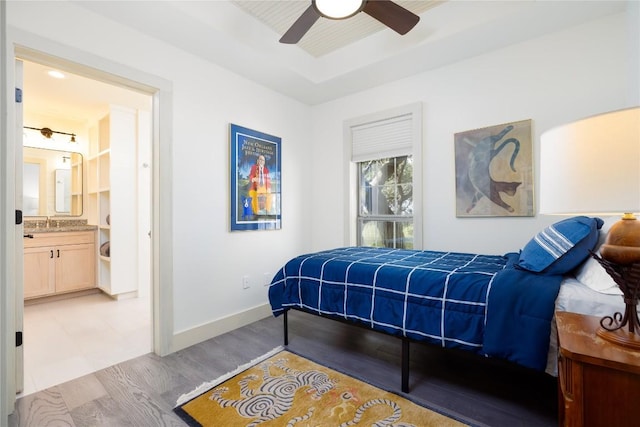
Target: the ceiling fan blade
(392, 15)
(301, 26)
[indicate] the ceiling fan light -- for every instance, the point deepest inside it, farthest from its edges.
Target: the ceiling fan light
(338, 9)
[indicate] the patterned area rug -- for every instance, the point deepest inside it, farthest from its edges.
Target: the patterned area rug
(284, 389)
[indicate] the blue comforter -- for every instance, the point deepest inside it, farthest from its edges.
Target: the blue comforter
(479, 303)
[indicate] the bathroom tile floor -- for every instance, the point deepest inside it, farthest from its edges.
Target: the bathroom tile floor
(73, 337)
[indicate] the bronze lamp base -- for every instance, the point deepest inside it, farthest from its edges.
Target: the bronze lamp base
(621, 260)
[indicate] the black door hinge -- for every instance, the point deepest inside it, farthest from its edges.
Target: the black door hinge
(18, 338)
(18, 217)
(18, 95)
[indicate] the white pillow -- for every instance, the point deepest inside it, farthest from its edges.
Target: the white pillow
(591, 273)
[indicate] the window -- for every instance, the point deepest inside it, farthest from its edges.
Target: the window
(385, 157)
(385, 202)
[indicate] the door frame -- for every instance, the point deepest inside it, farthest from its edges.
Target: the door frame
(24, 45)
(18, 288)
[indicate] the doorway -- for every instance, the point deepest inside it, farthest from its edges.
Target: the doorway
(28, 47)
(82, 333)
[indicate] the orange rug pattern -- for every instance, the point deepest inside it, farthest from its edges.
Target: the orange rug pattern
(288, 390)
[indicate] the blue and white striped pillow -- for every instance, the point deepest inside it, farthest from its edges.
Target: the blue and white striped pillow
(561, 247)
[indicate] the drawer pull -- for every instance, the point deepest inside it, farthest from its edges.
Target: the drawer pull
(27, 236)
(58, 253)
(51, 254)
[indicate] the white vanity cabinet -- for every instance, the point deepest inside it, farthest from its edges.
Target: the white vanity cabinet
(59, 262)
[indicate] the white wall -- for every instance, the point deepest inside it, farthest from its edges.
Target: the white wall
(209, 260)
(550, 80)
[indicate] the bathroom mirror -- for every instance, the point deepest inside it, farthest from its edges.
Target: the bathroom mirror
(52, 182)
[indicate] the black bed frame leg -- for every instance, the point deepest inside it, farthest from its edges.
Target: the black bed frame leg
(286, 327)
(405, 365)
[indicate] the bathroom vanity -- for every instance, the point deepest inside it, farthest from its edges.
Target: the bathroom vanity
(59, 260)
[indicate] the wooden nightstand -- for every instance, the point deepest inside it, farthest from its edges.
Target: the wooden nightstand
(599, 382)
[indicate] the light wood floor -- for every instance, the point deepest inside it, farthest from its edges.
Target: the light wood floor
(143, 391)
(68, 338)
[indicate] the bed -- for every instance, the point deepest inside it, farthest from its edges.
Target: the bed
(499, 306)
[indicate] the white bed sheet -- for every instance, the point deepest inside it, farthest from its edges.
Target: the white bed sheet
(576, 297)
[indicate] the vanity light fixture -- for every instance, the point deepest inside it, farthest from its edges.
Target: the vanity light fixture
(48, 133)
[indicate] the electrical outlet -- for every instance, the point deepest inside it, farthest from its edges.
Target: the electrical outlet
(267, 279)
(245, 282)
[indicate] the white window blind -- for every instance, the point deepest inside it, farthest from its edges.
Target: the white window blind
(391, 137)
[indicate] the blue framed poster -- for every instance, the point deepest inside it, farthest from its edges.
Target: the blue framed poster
(255, 180)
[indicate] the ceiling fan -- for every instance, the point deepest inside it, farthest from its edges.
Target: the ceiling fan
(389, 13)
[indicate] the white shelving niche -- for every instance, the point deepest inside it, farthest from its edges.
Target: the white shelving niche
(112, 199)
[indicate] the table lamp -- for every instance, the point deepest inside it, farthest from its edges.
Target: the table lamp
(592, 167)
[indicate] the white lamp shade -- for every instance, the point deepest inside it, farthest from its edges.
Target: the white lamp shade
(592, 166)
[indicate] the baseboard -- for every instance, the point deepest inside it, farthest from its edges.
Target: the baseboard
(51, 298)
(207, 331)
